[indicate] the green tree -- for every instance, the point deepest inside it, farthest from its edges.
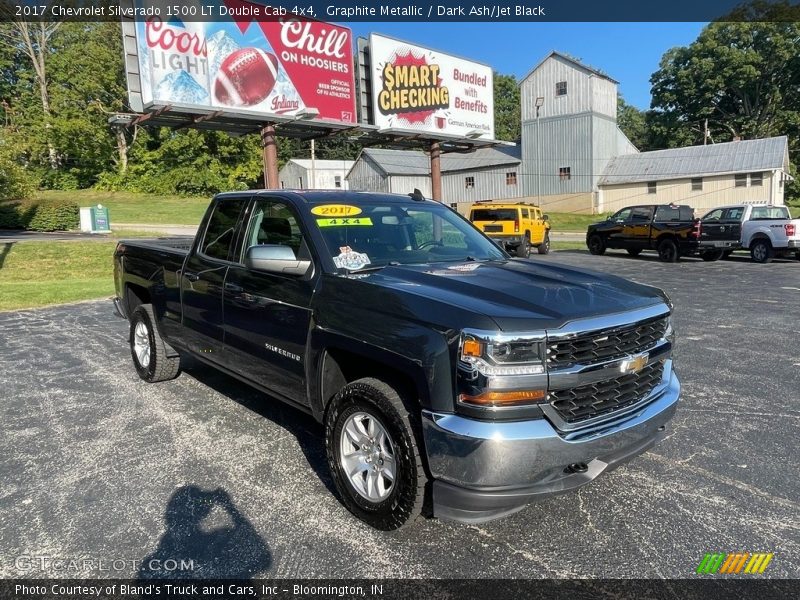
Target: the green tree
(507, 125)
(632, 122)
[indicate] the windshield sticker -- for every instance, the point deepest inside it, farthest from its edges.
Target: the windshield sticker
(350, 260)
(336, 210)
(345, 222)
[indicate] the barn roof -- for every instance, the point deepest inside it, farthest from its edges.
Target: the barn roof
(416, 162)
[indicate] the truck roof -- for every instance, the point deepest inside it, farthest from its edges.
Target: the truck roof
(320, 196)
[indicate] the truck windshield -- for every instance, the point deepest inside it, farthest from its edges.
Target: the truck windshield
(494, 214)
(378, 234)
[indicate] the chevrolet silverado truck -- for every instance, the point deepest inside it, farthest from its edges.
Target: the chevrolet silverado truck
(766, 231)
(669, 229)
(517, 227)
(448, 376)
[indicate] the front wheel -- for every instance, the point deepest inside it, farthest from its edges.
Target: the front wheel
(373, 454)
(544, 247)
(761, 251)
(148, 349)
(596, 245)
(668, 251)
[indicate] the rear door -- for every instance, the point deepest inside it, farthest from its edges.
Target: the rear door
(496, 221)
(722, 227)
(203, 278)
(267, 316)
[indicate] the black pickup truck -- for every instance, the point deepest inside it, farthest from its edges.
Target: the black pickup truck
(669, 229)
(445, 372)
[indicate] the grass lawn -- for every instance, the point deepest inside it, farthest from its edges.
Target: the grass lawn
(42, 273)
(565, 246)
(573, 222)
(150, 209)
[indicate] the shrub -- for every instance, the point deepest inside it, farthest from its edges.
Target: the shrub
(15, 182)
(40, 215)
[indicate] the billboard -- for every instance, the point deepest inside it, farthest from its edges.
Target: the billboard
(421, 89)
(241, 66)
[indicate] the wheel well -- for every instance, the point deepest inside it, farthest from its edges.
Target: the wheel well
(134, 296)
(340, 367)
(760, 236)
(665, 236)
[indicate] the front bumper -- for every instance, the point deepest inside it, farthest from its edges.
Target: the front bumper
(484, 470)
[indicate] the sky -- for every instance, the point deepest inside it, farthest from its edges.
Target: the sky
(627, 52)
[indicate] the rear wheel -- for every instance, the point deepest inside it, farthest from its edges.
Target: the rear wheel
(668, 251)
(544, 247)
(371, 444)
(524, 248)
(761, 251)
(634, 251)
(148, 349)
(596, 244)
(712, 255)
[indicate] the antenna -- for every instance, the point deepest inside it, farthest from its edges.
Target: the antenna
(417, 196)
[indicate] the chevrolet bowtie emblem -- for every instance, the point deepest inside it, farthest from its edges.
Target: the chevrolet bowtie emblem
(634, 364)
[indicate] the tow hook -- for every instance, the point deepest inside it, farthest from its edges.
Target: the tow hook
(577, 468)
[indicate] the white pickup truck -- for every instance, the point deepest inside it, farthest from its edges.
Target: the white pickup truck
(766, 230)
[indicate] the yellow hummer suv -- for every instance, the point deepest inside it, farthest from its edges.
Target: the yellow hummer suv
(516, 226)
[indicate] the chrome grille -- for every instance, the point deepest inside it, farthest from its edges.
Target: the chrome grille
(608, 344)
(589, 401)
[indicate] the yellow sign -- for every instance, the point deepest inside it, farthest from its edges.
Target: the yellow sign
(344, 222)
(336, 210)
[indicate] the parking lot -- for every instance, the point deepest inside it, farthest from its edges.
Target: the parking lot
(97, 465)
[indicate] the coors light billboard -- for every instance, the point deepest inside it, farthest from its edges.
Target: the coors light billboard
(275, 67)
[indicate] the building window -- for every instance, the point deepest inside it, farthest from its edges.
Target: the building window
(652, 187)
(564, 173)
(299, 183)
(283, 184)
(740, 180)
(337, 181)
(469, 182)
(511, 178)
(561, 88)
(697, 184)
(756, 179)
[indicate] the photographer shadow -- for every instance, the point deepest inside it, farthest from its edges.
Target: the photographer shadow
(206, 538)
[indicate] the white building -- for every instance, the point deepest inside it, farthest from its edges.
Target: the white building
(305, 174)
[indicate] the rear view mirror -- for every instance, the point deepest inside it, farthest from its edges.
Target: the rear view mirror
(274, 258)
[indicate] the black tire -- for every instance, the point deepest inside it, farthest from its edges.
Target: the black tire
(668, 251)
(524, 247)
(544, 247)
(158, 366)
(596, 244)
(634, 251)
(726, 254)
(712, 255)
(383, 402)
(761, 251)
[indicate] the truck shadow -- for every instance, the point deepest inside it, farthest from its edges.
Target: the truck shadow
(309, 433)
(4, 250)
(206, 537)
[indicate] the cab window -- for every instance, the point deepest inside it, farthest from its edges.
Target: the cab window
(623, 215)
(220, 232)
(273, 222)
(641, 213)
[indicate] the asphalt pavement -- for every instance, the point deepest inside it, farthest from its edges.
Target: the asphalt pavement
(97, 465)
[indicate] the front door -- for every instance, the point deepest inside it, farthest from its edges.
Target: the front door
(267, 315)
(636, 229)
(203, 279)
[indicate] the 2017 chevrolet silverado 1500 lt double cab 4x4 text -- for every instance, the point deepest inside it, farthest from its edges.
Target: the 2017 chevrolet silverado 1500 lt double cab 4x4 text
(766, 230)
(441, 368)
(669, 229)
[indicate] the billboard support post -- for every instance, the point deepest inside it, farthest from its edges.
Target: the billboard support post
(436, 171)
(270, 155)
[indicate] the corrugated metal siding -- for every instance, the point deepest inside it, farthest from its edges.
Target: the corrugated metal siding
(490, 184)
(405, 184)
(365, 176)
(290, 174)
(717, 191)
(542, 82)
(604, 96)
(565, 142)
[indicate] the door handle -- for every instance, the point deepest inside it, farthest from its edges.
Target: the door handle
(233, 288)
(191, 276)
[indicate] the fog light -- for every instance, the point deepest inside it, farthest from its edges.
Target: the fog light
(503, 398)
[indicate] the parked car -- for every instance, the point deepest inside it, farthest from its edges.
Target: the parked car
(669, 229)
(441, 368)
(518, 227)
(767, 231)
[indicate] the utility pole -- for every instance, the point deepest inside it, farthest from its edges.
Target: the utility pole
(436, 186)
(270, 156)
(705, 132)
(313, 170)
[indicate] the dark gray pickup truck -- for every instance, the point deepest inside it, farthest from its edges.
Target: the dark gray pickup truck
(445, 372)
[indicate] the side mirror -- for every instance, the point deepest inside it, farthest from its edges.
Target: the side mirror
(545, 218)
(274, 258)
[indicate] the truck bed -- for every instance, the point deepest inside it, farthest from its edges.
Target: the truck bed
(180, 244)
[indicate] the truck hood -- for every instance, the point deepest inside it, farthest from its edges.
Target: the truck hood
(519, 295)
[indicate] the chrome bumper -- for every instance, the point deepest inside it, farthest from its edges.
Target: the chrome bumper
(484, 470)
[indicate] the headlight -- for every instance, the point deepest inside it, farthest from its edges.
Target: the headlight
(669, 334)
(503, 356)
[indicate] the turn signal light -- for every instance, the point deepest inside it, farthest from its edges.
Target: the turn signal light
(503, 398)
(471, 348)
